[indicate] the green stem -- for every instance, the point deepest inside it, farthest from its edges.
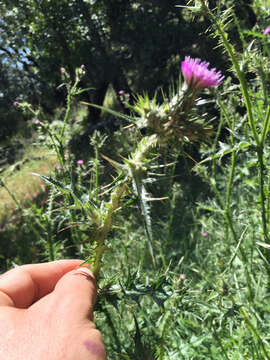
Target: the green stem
(49, 220)
(266, 126)
(50, 244)
(230, 182)
(102, 232)
(96, 168)
(213, 168)
(172, 196)
(71, 91)
(11, 195)
(262, 195)
(98, 258)
(56, 148)
(268, 198)
(244, 87)
(67, 113)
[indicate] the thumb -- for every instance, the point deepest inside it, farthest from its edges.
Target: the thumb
(76, 294)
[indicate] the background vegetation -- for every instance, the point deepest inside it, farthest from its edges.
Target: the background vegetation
(185, 276)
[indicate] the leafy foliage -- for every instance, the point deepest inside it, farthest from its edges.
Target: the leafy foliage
(116, 43)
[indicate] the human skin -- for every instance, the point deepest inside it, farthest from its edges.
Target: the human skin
(46, 313)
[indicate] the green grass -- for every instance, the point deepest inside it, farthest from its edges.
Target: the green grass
(20, 181)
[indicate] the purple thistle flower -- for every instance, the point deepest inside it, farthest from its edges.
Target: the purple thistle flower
(198, 75)
(121, 92)
(58, 167)
(15, 103)
(36, 121)
(267, 30)
(204, 234)
(62, 247)
(80, 162)
(182, 276)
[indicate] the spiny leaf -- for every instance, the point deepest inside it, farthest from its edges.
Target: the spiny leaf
(110, 111)
(142, 194)
(226, 149)
(60, 186)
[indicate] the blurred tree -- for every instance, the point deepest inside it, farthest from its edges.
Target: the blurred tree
(132, 45)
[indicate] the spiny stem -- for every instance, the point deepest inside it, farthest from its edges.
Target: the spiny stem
(96, 168)
(230, 49)
(70, 94)
(66, 114)
(103, 231)
(143, 148)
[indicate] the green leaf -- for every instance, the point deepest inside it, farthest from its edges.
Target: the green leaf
(226, 149)
(192, 8)
(110, 111)
(60, 186)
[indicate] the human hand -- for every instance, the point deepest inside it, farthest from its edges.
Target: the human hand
(46, 313)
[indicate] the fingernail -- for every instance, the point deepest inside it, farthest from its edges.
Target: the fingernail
(84, 271)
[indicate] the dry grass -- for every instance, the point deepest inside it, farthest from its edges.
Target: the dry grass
(22, 183)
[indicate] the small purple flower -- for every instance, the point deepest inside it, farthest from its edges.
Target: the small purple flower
(204, 234)
(198, 75)
(82, 67)
(182, 276)
(80, 162)
(121, 92)
(267, 30)
(15, 103)
(62, 70)
(62, 247)
(59, 167)
(36, 121)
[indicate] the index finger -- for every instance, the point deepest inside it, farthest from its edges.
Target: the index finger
(22, 286)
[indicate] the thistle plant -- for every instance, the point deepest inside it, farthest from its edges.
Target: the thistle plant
(166, 124)
(259, 129)
(205, 295)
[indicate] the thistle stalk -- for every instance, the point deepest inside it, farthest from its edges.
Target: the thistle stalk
(251, 120)
(103, 231)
